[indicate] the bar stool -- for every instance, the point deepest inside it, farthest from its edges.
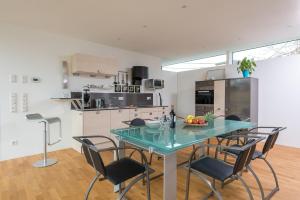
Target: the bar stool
(47, 122)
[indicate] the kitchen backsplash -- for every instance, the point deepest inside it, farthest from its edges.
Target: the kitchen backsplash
(120, 99)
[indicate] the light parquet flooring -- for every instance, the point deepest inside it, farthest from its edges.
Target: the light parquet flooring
(69, 179)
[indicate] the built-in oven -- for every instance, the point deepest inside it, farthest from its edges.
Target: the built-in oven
(204, 97)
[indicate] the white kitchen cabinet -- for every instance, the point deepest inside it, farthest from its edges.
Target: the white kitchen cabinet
(161, 111)
(93, 65)
(117, 117)
(109, 66)
(219, 98)
(77, 128)
(82, 63)
(97, 123)
(135, 113)
(148, 113)
(85, 123)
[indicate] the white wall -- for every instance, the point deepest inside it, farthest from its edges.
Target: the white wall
(279, 94)
(34, 53)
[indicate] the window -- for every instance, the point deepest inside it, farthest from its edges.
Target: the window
(271, 51)
(197, 64)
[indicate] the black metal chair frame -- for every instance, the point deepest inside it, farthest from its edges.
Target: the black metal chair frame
(269, 144)
(222, 137)
(241, 162)
(116, 149)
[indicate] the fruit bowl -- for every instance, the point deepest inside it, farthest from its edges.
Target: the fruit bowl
(195, 121)
(196, 125)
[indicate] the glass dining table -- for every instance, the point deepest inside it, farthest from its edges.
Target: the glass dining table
(167, 141)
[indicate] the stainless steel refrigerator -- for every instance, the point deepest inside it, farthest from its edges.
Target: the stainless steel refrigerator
(241, 98)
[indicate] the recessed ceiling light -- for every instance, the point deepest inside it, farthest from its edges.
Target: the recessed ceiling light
(184, 6)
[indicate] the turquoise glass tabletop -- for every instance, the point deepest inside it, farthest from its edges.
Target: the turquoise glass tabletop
(167, 140)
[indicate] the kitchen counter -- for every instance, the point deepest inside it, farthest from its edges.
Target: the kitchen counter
(118, 108)
(101, 121)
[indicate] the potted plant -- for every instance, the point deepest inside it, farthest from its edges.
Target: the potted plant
(246, 66)
(209, 118)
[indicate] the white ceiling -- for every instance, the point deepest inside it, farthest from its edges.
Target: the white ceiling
(170, 29)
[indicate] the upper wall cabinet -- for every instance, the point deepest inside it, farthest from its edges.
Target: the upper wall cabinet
(93, 65)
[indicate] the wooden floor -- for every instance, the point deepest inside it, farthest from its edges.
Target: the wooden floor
(69, 179)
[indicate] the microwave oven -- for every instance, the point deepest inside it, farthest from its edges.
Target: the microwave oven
(154, 84)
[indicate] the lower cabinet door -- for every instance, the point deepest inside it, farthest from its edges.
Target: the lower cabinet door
(135, 113)
(97, 123)
(77, 129)
(117, 119)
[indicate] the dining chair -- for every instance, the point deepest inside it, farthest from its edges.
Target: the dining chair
(272, 135)
(221, 138)
(118, 171)
(229, 117)
(219, 170)
(137, 122)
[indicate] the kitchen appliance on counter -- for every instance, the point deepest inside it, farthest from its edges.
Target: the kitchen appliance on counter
(86, 97)
(100, 103)
(138, 73)
(154, 84)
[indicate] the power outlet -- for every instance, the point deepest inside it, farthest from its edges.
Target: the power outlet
(25, 102)
(24, 79)
(14, 142)
(13, 78)
(13, 102)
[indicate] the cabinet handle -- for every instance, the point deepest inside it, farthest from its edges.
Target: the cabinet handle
(120, 110)
(98, 112)
(150, 113)
(135, 115)
(218, 108)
